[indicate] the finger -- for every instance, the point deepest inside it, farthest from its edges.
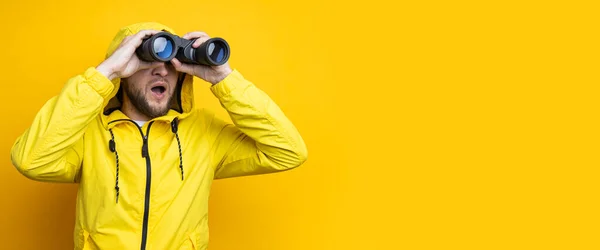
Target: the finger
(126, 39)
(143, 33)
(182, 67)
(194, 34)
(137, 39)
(200, 41)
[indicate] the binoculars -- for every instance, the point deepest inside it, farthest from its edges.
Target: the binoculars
(164, 46)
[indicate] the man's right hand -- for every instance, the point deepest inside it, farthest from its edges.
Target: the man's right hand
(124, 62)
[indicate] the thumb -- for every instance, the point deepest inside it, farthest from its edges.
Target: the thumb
(182, 67)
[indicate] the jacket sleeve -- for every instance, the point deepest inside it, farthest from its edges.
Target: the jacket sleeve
(51, 148)
(263, 140)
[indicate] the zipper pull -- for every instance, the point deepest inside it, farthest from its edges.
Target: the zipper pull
(145, 147)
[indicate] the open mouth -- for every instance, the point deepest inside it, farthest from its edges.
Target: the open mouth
(158, 90)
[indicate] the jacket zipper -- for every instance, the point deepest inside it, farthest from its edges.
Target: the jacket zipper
(146, 155)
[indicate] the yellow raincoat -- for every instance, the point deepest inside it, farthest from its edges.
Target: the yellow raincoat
(148, 187)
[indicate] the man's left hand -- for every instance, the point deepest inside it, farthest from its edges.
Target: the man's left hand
(212, 74)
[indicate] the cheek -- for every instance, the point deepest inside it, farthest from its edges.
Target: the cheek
(140, 75)
(172, 82)
(173, 88)
(136, 89)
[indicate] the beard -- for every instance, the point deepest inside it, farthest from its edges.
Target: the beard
(138, 100)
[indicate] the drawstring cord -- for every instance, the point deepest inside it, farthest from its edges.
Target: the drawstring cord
(174, 127)
(112, 145)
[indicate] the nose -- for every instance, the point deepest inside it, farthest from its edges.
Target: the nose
(160, 69)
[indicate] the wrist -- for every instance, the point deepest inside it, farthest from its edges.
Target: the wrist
(104, 70)
(221, 76)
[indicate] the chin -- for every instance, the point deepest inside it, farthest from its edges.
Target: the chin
(161, 112)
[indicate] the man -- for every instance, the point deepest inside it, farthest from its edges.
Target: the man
(145, 158)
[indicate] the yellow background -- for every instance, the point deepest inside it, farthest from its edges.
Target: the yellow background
(430, 124)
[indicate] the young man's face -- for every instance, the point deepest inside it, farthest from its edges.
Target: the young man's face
(149, 91)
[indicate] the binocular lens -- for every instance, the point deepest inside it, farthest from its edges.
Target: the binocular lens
(216, 51)
(163, 47)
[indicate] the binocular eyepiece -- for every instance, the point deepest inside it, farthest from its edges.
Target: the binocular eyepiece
(164, 46)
